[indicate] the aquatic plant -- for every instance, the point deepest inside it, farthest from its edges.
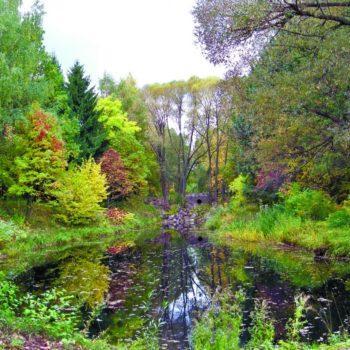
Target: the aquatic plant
(220, 327)
(262, 331)
(298, 322)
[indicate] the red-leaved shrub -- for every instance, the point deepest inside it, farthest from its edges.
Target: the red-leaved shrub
(117, 176)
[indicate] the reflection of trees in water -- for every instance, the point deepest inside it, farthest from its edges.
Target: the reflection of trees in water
(129, 306)
(187, 287)
(86, 280)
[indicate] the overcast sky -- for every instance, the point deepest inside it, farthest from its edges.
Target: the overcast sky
(153, 40)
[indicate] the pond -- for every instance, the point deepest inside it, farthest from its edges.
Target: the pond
(171, 281)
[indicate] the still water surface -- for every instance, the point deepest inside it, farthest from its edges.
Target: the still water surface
(171, 281)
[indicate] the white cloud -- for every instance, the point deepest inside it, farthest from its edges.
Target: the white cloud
(153, 40)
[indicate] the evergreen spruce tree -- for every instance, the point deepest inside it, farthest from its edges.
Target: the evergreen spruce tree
(82, 100)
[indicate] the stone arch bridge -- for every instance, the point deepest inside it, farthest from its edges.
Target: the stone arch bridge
(195, 199)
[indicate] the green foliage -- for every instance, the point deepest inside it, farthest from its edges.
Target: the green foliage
(82, 101)
(239, 189)
(23, 62)
(210, 333)
(215, 219)
(9, 231)
(291, 111)
(262, 330)
(42, 158)
(269, 217)
(296, 324)
(114, 119)
(308, 204)
(298, 124)
(133, 104)
(52, 312)
(243, 150)
(107, 85)
(8, 299)
(220, 327)
(121, 136)
(340, 218)
(79, 193)
(58, 105)
(277, 224)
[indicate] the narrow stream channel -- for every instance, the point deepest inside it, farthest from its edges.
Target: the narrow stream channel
(171, 280)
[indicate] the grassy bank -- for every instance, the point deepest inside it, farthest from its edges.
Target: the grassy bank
(280, 223)
(25, 243)
(54, 319)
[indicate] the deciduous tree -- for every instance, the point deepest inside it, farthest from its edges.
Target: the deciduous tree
(79, 193)
(42, 160)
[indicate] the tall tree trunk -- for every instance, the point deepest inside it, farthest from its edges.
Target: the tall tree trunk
(210, 157)
(224, 184)
(210, 177)
(183, 185)
(163, 174)
(217, 156)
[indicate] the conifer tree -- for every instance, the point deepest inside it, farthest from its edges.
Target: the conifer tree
(82, 100)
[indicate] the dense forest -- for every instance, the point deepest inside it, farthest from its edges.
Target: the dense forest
(91, 173)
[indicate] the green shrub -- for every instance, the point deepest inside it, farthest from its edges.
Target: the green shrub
(296, 324)
(220, 328)
(79, 194)
(8, 300)
(309, 204)
(240, 189)
(53, 312)
(340, 218)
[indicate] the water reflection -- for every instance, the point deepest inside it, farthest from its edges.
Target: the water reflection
(172, 280)
(183, 293)
(87, 281)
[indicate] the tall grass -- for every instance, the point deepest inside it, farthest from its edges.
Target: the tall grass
(279, 225)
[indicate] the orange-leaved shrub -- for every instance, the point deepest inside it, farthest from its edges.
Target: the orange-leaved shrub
(117, 216)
